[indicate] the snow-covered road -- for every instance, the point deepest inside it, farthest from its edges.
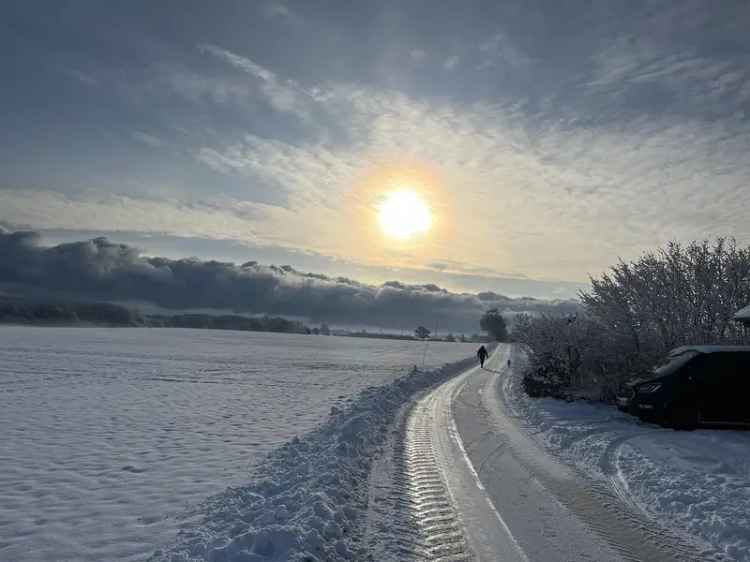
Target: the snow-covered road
(474, 485)
(456, 464)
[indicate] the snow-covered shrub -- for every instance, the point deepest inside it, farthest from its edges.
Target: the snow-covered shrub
(574, 356)
(548, 378)
(634, 314)
(678, 295)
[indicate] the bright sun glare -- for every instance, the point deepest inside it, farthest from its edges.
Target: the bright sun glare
(404, 214)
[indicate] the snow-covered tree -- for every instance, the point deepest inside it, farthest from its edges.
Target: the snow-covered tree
(493, 323)
(422, 333)
(635, 313)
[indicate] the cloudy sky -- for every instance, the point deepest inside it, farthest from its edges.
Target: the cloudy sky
(547, 139)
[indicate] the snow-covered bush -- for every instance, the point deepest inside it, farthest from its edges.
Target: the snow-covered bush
(678, 295)
(634, 314)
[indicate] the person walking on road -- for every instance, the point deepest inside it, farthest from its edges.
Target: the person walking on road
(482, 354)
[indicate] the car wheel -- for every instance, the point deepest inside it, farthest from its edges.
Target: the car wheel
(683, 416)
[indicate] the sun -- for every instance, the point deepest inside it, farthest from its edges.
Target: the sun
(403, 214)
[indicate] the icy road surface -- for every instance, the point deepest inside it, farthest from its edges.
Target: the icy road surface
(468, 483)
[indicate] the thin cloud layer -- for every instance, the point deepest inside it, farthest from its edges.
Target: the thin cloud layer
(553, 144)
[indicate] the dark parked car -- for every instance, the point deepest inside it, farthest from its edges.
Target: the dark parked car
(697, 385)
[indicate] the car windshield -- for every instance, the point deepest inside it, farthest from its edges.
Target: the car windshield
(672, 364)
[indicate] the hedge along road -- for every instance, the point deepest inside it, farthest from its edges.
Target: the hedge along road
(480, 489)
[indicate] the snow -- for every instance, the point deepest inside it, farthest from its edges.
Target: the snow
(696, 483)
(113, 439)
(309, 500)
(184, 445)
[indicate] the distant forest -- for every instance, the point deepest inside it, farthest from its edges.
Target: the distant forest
(106, 314)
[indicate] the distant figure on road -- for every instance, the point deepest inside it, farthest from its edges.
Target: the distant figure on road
(482, 354)
(508, 363)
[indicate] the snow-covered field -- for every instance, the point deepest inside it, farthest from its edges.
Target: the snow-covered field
(182, 445)
(113, 439)
(697, 483)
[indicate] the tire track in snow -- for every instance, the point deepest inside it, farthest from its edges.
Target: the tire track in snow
(429, 519)
(607, 508)
(609, 463)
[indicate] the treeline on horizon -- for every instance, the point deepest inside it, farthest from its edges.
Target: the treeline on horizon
(114, 315)
(15, 311)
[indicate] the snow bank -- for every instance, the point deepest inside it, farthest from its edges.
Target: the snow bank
(697, 483)
(308, 500)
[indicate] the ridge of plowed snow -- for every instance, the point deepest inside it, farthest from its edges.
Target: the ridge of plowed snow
(308, 500)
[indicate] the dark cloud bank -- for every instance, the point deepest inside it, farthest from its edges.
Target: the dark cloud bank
(102, 270)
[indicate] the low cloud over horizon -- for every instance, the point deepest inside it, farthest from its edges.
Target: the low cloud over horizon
(99, 269)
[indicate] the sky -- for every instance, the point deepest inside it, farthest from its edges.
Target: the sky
(547, 139)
